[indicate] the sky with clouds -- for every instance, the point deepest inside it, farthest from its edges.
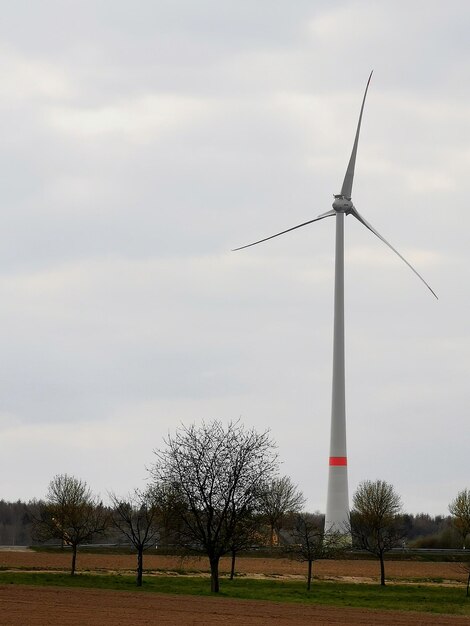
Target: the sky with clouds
(140, 143)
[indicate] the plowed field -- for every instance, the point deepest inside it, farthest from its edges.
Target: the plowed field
(38, 606)
(365, 570)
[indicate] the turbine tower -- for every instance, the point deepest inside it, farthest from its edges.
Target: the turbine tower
(337, 507)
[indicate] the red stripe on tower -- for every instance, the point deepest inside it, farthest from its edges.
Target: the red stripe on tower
(338, 460)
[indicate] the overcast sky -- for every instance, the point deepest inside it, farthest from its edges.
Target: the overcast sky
(142, 141)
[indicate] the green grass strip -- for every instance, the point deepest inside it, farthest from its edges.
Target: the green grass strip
(422, 598)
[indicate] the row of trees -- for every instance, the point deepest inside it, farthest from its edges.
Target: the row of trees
(211, 489)
(422, 530)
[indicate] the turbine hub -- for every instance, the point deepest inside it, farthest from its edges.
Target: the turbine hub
(343, 204)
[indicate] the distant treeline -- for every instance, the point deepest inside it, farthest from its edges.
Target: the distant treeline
(422, 530)
(16, 520)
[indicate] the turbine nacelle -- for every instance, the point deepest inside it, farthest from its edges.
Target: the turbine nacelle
(343, 204)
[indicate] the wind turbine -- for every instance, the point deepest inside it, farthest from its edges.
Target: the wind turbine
(337, 507)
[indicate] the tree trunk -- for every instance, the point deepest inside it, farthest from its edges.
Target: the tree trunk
(214, 562)
(468, 583)
(382, 569)
(271, 537)
(74, 559)
(309, 575)
(140, 565)
(232, 569)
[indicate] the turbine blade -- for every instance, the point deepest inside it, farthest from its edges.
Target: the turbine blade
(346, 189)
(320, 217)
(372, 229)
(327, 214)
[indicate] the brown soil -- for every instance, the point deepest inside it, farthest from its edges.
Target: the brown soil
(367, 570)
(33, 606)
(36, 606)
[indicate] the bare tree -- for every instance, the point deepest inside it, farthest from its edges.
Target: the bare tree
(217, 474)
(136, 516)
(311, 543)
(376, 522)
(244, 537)
(279, 498)
(460, 510)
(464, 566)
(70, 513)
